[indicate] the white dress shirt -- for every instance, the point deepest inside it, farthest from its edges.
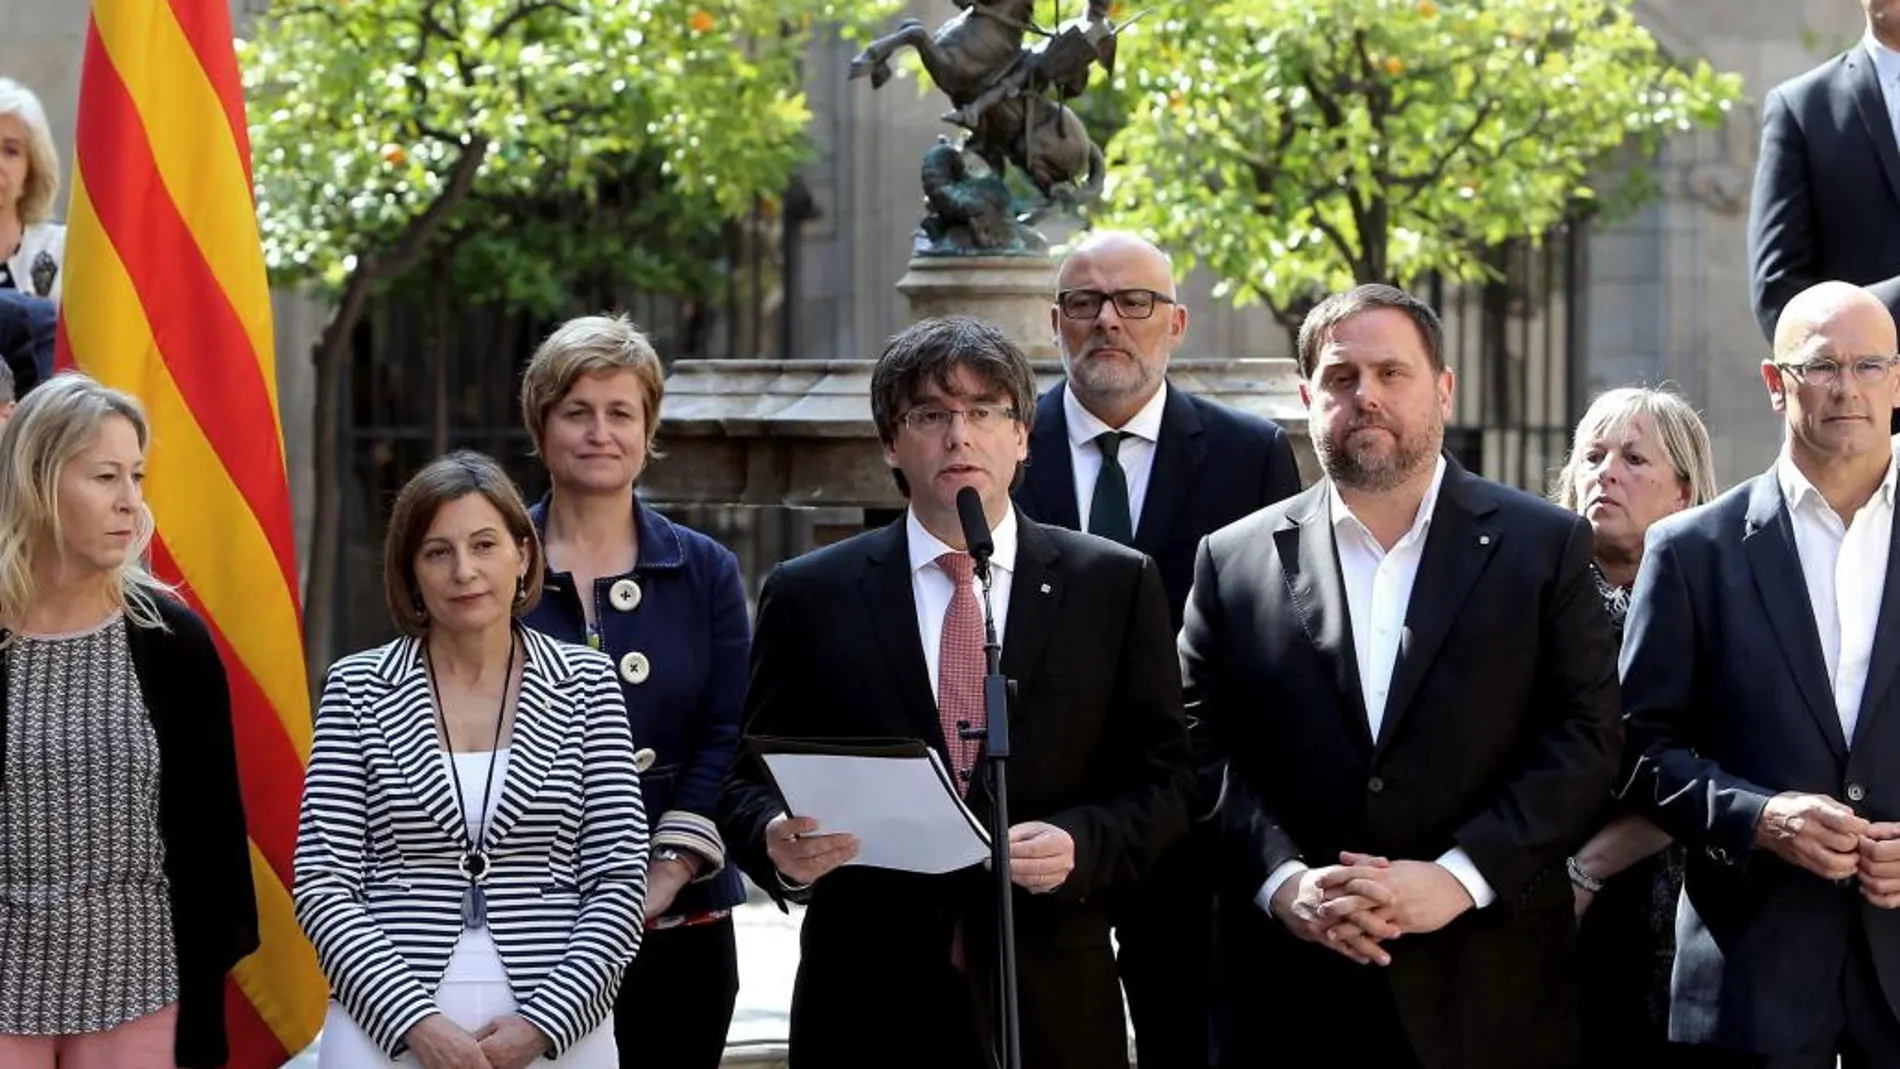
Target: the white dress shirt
(1845, 566)
(932, 588)
(1887, 66)
(1379, 585)
(1137, 454)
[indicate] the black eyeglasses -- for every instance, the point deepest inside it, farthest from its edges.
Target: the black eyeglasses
(1129, 304)
(1825, 371)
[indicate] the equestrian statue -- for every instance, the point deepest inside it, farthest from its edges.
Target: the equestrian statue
(1002, 90)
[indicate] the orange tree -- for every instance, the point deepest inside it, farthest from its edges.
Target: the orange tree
(1297, 147)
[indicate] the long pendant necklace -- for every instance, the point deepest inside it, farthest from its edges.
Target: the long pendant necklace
(474, 864)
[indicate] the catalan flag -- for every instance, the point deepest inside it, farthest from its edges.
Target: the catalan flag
(165, 297)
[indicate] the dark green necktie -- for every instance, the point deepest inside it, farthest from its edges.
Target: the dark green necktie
(1108, 511)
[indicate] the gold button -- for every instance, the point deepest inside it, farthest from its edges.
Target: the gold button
(625, 595)
(634, 668)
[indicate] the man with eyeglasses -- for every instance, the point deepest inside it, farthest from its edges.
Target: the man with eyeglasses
(881, 636)
(1760, 665)
(1117, 451)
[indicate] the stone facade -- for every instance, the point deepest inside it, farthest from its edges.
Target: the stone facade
(1668, 290)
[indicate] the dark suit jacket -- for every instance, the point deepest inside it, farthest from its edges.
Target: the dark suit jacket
(1827, 188)
(1212, 465)
(27, 329)
(1500, 736)
(1727, 699)
(1098, 749)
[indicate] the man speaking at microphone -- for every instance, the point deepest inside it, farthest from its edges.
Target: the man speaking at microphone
(881, 636)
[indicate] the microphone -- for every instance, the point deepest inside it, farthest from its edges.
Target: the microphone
(976, 529)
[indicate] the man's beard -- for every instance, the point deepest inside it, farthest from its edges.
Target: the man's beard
(1376, 472)
(1093, 377)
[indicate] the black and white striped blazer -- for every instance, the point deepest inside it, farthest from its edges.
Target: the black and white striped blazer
(378, 888)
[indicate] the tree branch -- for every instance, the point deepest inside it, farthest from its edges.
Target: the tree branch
(1536, 127)
(527, 11)
(1328, 107)
(437, 133)
(1339, 242)
(1329, 110)
(414, 241)
(1418, 183)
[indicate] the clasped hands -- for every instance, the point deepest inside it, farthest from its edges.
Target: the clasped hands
(507, 1042)
(1364, 901)
(1829, 839)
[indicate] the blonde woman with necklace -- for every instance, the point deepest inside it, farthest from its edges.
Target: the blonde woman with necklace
(471, 858)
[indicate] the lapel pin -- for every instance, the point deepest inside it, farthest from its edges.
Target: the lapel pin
(1045, 588)
(1484, 540)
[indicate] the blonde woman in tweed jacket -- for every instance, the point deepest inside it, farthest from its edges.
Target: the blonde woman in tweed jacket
(471, 857)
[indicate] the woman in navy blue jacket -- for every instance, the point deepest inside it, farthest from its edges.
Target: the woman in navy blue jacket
(665, 603)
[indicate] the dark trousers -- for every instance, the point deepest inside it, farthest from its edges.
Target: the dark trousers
(1869, 1037)
(1164, 927)
(1625, 948)
(676, 998)
(921, 1016)
(1262, 982)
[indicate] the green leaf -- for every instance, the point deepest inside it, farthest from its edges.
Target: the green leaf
(1297, 146)
(623, 135)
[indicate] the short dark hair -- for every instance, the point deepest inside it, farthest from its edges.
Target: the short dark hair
(1317, 328)
(441, 481)
(932, 349)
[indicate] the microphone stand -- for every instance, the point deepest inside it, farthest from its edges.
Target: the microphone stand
(996, 735)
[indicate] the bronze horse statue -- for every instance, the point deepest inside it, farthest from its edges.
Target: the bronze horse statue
(978, 59)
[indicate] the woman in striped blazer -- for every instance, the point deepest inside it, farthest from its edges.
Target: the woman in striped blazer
(471, 855)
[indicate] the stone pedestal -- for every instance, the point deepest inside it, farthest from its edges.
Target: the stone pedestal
(1013, 292)
(799, 432)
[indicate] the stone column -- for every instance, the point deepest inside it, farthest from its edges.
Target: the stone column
(1012, 292)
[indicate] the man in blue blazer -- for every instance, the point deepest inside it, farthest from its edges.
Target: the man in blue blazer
(1759, 688)
(1120, 453)
(27, 328)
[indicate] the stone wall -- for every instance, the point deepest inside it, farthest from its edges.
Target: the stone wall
(1669, 289)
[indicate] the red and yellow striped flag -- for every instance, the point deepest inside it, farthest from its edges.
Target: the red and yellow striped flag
(165, 297)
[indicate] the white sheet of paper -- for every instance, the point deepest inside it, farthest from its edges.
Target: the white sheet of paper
(900, 808)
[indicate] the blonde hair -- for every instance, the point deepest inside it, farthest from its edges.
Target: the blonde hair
(1684, 439)
(591, 345)
(56, 422)
(42, 157)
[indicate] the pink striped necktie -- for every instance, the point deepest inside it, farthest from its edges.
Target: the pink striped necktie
(960, 667)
